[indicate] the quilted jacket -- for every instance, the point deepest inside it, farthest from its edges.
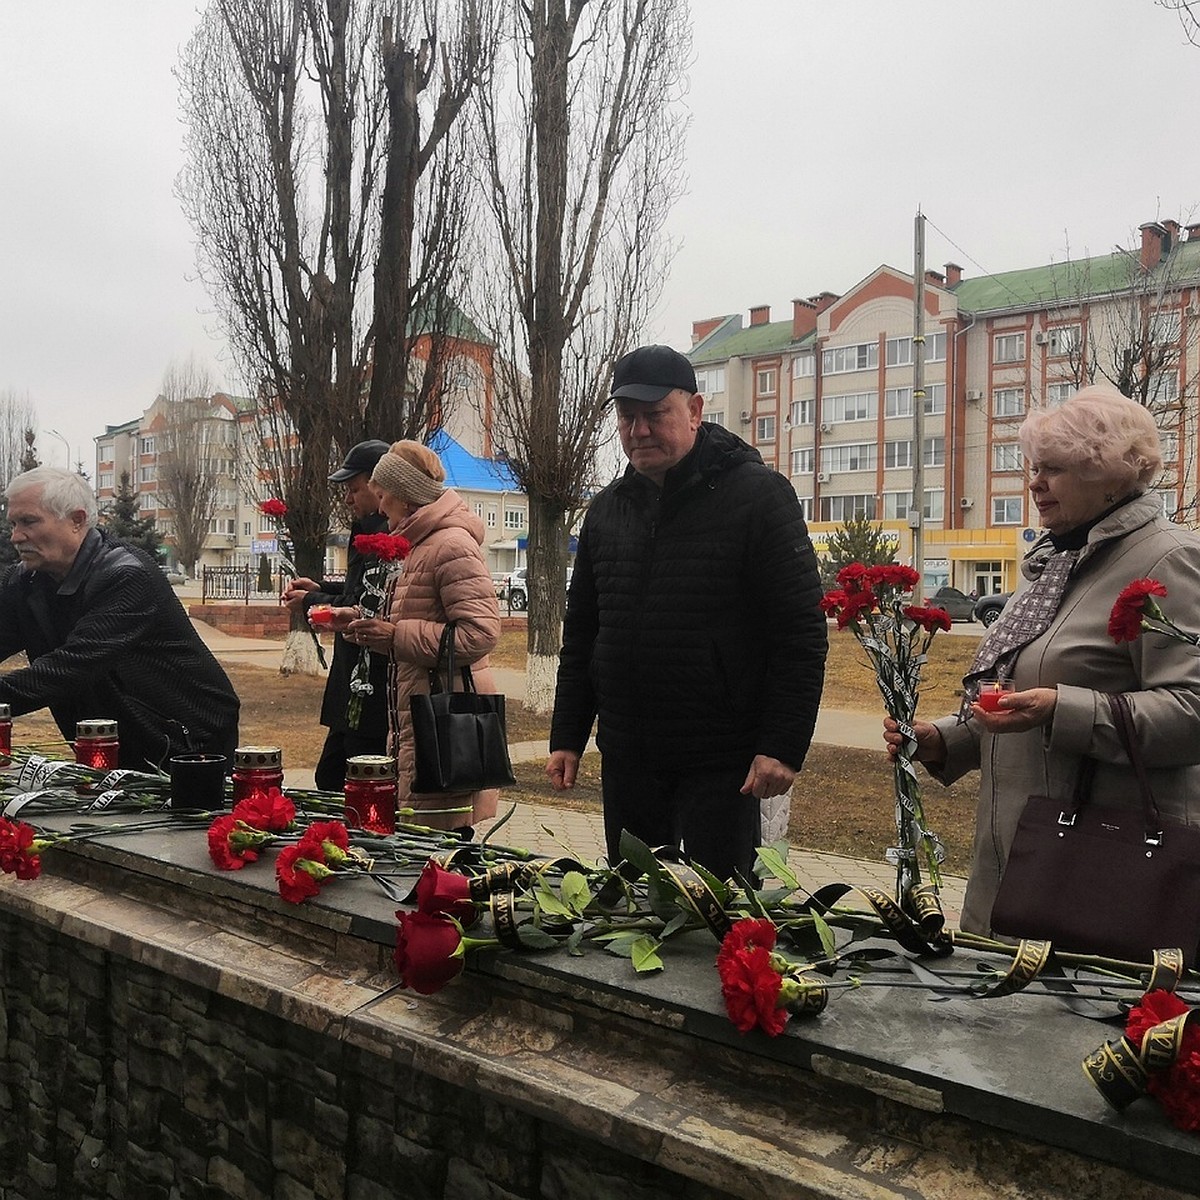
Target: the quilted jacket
(444, 579)
(693, 630)
(112, 640)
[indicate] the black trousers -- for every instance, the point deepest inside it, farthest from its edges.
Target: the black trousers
(341, 744)
(702, 811)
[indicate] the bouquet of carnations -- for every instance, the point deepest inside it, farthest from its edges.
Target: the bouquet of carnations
(388, 550)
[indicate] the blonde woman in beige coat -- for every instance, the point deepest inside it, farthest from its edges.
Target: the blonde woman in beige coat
(444, 579)
(1089, 463)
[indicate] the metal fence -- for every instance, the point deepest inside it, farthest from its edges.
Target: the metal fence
(237, 583)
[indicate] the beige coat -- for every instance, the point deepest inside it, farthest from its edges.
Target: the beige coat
(1076, 655)
(444, 579)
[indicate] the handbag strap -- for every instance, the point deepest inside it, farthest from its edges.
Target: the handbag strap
(446, 655)
(1118, 702)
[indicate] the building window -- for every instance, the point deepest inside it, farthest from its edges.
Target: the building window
(514, 518)
(104, 452)
(803, 461)
(858, 406)
(1062, 340)
(1164, 328)
(1008, 348)
(860, 457)
(843, 508)
(897, 455)
(710, 381)
(1008, 402)
(935, 505)
(491, 517)
(1007, 510)
(899, 352)
(935, 347)
(935, 452)
(1006, 456)
(765, 429)
(716, 418)
(1170, 446)
(806, 508)
(935, 399)
(803, 412)
(862, 357)
(245, 529)
(146, 445)
(104, 480)
(1056, 393)
(766, 381)
(1163, 388)
(897, 402)
(804, 366)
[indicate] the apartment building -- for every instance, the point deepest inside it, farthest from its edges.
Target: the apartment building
(827, 396)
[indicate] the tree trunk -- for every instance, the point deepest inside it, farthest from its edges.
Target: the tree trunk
(547, 578)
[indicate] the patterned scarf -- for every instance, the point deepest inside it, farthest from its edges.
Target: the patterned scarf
(1025, 619)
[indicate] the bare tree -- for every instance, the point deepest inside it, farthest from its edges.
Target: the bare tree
(289, 105)
(189, 472)
(1188, 12)
(17, 414)
(582, 145)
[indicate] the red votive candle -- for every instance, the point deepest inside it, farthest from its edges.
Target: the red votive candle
(320, 614)
(96, 743)
(991, 691)
(5, 734)
(256, 770)
(371, 793)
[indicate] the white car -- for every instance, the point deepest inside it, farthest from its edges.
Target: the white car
(514, 588)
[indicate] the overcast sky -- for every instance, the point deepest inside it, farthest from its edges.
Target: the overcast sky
(818, 127)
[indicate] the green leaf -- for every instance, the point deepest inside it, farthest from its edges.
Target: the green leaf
(644, 955)
(825, 933)
(575, 892)
(549, 903)
(681, 920)
(638, 854)
(773, 859)
(533, 938)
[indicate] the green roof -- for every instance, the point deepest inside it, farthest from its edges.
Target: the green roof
(1068, 282)
(771, 338)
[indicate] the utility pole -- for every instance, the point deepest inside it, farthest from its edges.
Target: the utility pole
(916, 512)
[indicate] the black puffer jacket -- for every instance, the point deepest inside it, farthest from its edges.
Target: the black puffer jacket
(112, 640)
(693, 629)
(373, 721)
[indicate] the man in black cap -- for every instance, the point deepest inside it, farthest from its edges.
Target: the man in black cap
(369, 736)
(693, 633)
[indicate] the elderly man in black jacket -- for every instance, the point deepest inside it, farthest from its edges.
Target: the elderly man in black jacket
(104, 633)
(369, 734)
(692, 631)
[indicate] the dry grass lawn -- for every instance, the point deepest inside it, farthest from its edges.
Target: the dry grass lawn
(843, 800)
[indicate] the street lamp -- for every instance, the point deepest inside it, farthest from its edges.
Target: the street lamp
(66, 444)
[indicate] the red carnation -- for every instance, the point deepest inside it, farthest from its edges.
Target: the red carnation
(892, 575)
(273, 508)
(387, 547)
(298, 874)
(445, 893)
(266, 810)
(428, 951)
(851, 576)
(1135, 601)
(326, 841)
(232, 843)
(856, 603)
(832, 602)
(929, 619)
(1177, 1088)
(17, 856)
(747, 934)
(751, 987)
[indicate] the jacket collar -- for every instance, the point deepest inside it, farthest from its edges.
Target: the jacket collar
(1116, 523)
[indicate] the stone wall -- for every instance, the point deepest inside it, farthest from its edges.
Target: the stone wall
(243, 620)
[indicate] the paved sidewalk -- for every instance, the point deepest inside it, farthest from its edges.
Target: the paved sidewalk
(549, 829)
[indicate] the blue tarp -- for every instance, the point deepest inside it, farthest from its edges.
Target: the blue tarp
(464, 470)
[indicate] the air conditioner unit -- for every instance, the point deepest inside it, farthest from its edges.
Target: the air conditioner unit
(1040, 339)
(974, 394)
(787, 427)
(822, 477)
(746, 415)
(966, 502)
(826, 427)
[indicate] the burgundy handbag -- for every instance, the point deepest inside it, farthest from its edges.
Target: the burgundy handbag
(1118, 882)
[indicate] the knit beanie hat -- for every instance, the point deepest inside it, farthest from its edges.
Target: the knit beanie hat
(400, 477)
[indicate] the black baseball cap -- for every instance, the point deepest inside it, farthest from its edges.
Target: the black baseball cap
(650, 372)
(360, 460)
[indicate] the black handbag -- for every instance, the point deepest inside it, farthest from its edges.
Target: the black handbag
(460, 743)
(1118, 882)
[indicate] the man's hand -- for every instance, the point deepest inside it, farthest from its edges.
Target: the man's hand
(767, 777)
(296, 590)
(562, 767)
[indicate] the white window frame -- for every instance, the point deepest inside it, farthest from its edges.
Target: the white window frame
(766, 381)
(1062, 340)
(851, 406)
(1008, 510)
(1056, 393)
(897, 456)
(1007, 456)
(837, 360)
(804, 366)
(716, 418)
(803, 412)
(853, 456)
(710, 381)
(842, 508)
(934, 453)
(764, 429)
(1008, 402)
(803, 461)
(514, 518)
(1008, 347)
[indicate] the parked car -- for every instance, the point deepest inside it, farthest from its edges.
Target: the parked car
(174, 575)
(958, 604)
(989, 608)
(514, 588)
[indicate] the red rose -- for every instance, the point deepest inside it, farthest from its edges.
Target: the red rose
(892, 575)
(266, 810)
(445, 893)
(427, 955)
(295, 874)
(851, 576)
(1134, 602)
(751, 988)
(273, 508)
(930, 619)
(387, 547)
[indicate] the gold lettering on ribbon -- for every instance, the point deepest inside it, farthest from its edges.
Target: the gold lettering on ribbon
(1166, 971)
(699, 898)
(503, 909)
(1120, 1070)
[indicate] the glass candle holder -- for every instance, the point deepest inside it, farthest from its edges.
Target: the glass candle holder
(256, 770)
(320, 614)
(991, 691)
(96, 743)
(5, 734)
(371, 793)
